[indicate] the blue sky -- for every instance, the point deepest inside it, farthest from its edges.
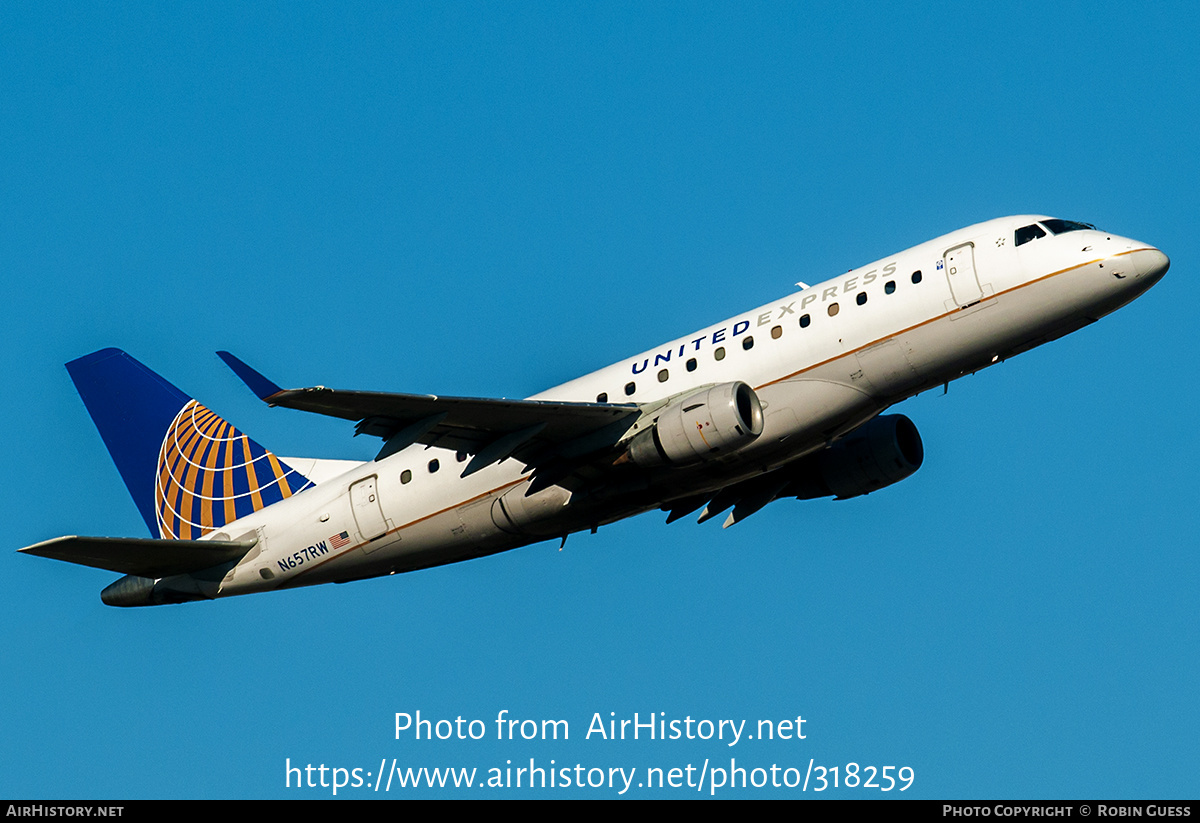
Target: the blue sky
(488, 200)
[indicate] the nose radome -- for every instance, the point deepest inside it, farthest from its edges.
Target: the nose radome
(1151, 264)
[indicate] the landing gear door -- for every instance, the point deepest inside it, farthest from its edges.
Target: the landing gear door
(959, 263)
(368, 514)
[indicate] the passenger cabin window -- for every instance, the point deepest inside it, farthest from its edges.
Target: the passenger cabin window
(434, 465)
(1027, 233)
(406, 476)
(833, 309)
(630, 388)
(602, 397)
(889, 287)
(916, 278)
(776, 332)
(691, 364)
(804, 321)
(719, 353)
(662, 376)
(748, 343)
(861, 299)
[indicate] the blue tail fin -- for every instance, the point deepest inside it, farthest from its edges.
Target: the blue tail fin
(188, 471)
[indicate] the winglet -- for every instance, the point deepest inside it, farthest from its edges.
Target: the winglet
(261, 386)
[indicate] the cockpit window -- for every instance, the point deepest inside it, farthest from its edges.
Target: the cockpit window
(1030, 232)
(1061, 226)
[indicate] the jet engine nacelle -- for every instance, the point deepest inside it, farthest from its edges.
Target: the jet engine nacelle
(879, 453)
(704, 425)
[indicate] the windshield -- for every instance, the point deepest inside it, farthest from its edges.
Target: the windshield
(1063, 226)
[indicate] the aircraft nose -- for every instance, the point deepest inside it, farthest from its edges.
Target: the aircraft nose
(1151, 264)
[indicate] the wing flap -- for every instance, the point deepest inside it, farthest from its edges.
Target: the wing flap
(143, 557)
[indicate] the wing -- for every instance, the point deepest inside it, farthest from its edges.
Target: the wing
(143, 557)
(542, 434)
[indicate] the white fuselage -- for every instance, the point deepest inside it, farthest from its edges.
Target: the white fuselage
(823, 361)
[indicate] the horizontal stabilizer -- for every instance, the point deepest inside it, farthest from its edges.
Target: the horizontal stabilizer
(320, 469)
(143, 557)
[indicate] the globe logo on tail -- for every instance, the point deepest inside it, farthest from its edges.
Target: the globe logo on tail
(210, 474)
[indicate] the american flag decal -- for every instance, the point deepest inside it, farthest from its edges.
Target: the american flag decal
(339, 540)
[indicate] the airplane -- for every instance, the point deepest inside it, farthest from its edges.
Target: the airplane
(782, 401)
